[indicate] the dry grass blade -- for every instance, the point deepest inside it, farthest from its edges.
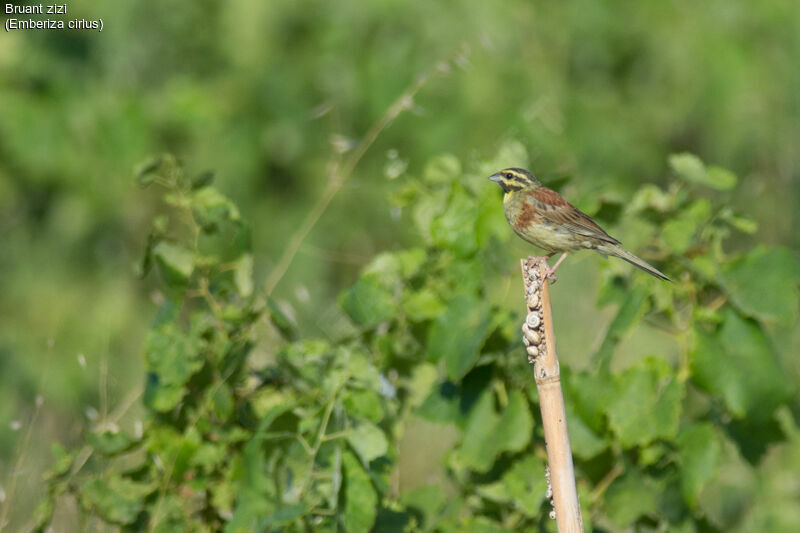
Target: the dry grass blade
(340, 170)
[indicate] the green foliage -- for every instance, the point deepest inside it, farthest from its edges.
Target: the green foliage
(488, 434)
(774, 298)
(458, 334)
(310, 438)
(117, 500)
(699, 455)
(690, 168)
(737, 363)
(599, 92)
(645, 405)
(369, 303)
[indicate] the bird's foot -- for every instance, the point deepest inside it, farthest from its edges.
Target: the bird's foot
(545, 272)
(550, 273)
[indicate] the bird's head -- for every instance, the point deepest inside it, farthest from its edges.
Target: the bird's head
(515, 179)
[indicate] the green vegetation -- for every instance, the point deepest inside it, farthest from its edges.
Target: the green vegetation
(311, 438)
(382, 382)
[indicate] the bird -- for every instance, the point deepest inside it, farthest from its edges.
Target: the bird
(545, 219)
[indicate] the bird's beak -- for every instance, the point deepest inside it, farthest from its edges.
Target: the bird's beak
(497, 178)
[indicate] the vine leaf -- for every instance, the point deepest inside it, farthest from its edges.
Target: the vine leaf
(738, 364)
(764, 283)
(360, 497)
(458, 334)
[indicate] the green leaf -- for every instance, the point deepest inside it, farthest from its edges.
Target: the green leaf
(630, 313)
(774, 502)
(705, 266)
(147, 257)
(652, 453)
(358, 366)
(441, 405)
(172, 358)
(738, 364)
(525, 483)
(479, 446)
(147, 172)
(678, 234)
(173, 447)
(117, 500)
(482, 525)
(427, 499)
(393, 267)
(202, 180)
(726, 497)
(515, 427)
(458, 334)
(167, 313)
(764, 283)
(584, 441)
(591, 393)
(222, 401)
(175, 262)
(496, 491)
(368, 441)
(742, 223)
(463, 276)
(255, 492)
(111, 442)
(209, 457)
(361, 500)
(62, 461)
(267, 398)
(422, 305)
(721, 179)
(647, 404)
(281, 321)
(211, 209)
(243, 275)
(688, 166)
(491, 226)
(698, 211)
(699, 453)
(442, 169)
(363, 403)
(426, 209)
(691, 168)
(630, 497)
(652, 197)
(369, 302)
(454, 229)
(421, 383)
(284, 516)
(488, 434)
(43, 514)
(169, 516)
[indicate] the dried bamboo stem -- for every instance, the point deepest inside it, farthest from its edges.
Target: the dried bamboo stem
(540, 341)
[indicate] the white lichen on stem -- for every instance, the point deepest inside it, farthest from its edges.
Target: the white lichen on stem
(539, 340)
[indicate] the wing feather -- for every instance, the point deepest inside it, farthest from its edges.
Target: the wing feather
(553, 208)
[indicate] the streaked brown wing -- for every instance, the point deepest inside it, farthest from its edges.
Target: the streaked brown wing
(551, 206)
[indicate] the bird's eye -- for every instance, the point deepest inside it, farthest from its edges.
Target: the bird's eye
(509, 175)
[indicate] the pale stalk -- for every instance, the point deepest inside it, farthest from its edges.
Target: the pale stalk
(540, 340)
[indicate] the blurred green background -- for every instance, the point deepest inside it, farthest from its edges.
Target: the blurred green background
(265, 93)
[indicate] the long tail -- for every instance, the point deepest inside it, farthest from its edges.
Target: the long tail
(622, 253)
